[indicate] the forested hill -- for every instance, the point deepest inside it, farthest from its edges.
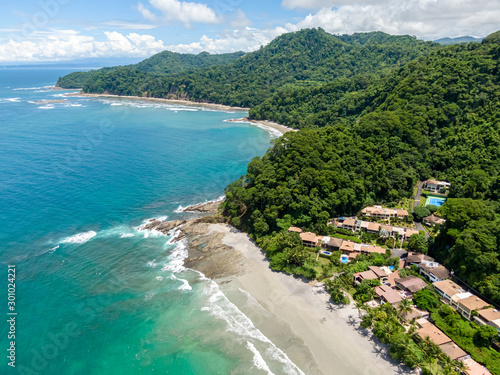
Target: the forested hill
(305, 58)
(443, 88)
(165, 62)
(371, 138)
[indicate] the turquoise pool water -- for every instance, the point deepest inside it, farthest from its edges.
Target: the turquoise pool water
(436, 201)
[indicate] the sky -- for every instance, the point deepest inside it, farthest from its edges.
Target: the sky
(34, 31)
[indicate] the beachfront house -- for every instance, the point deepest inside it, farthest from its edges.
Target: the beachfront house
(429, 330)
(373, 273)
(447, 289)
(310, 239)
(467, 305)
(388, 295)
(453, 351)
(436, 186)
(411, 284)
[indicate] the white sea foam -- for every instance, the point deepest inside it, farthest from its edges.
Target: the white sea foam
(150, 232)
(53, 249)
(32, 88)
(152, 263)
(175, 261)
(159, 278)
(258, 361)
(149, 295)
(80, 237)
(127, 235)
(10, 100)
(275, 133)
(46, 107)
(241, 325)
(185, 284)
(183, 208)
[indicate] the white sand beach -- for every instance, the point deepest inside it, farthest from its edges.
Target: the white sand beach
(331, 341)
(168, 101)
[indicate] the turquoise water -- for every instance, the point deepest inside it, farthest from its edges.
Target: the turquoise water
(96, 295)
(436, 201)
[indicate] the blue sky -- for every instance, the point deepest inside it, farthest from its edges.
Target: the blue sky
(62, 30)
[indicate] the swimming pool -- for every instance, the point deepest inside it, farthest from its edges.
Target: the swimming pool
(344, 258)
(326, 253)
(436, 201)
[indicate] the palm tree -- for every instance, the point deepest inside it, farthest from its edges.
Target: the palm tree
(405, 307)
(360, 306)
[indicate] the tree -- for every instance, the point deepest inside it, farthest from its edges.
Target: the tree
(484, 335)
(418, 243)
(405, 307)
(420, 212)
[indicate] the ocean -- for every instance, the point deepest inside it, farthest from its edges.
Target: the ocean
(95, 294)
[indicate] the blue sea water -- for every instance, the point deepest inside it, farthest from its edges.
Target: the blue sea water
(94, 294)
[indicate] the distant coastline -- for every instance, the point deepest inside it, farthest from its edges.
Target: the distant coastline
(281, 128)
(162, 100)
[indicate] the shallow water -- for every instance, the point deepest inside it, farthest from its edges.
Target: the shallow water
(95, 294)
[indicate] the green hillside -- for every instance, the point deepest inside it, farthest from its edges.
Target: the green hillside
(305, 58)
(165, 62)
(372, 137)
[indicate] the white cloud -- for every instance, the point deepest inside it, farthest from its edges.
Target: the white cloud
(146, 13)
(69, 44)
(428, 19)
(247, 39)
(184, 12)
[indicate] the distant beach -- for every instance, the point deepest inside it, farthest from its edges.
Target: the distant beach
(161, 100)
(280, 128)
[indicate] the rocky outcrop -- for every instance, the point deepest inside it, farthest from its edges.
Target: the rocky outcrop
(209, 207)
(206, 251)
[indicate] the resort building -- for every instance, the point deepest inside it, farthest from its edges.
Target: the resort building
(373, 273)
(431, 331)
(388, 295)
(474, 368)
(467, 305)
(417, 258)
(447, 289)
(411, 284)
(381, 213)
(490, 317)
(433, 220)
(295, 230)
(436, 186)
(351, 224)
(333, 244)
(410, 232)
(453, 351)
(434, 274)
(310, 239)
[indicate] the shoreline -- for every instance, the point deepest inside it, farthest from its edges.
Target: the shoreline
(280, 128)
(298, 317)
(264, 123)
(162, 100)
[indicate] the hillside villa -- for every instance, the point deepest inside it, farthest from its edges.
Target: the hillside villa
(436, 186)
(381, 213)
